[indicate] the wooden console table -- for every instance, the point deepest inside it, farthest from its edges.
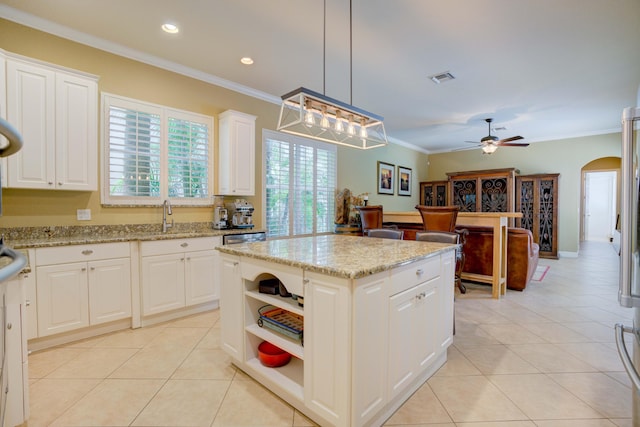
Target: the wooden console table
(497, 220)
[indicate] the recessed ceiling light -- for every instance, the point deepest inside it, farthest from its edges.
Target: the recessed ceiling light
(246, 60)
(170, 28)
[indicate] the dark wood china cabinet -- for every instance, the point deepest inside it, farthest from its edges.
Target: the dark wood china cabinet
(434, 193)
(483, 191)
(537, 199)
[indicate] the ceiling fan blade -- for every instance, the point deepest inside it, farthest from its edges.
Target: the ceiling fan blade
(507, 144)
(513, 138)
(473, 142)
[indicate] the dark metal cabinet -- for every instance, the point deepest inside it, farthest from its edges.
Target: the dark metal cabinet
(537, 199)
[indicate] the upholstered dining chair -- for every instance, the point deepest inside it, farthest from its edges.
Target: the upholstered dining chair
(438, 218)
(371, 217)
(386, 233)
(452, 237)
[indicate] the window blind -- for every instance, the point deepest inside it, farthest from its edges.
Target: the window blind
(155, 153)
(188, 156)
(300, 182)
(134, 153)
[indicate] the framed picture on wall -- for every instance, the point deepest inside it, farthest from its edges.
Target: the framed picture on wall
(404, 181)
(386, 178)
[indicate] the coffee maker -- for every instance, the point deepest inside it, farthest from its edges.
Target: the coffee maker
(220, 218)
(240, 213)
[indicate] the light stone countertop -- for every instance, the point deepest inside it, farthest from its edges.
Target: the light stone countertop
(339, 255)
(44, 237)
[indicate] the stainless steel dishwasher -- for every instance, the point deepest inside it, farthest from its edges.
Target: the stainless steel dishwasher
(258, 236)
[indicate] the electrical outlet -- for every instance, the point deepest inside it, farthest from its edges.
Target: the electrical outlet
(84, 214)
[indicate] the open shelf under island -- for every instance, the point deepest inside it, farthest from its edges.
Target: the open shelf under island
(378, 319)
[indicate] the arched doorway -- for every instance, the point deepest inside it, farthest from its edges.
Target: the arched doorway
(600, 204)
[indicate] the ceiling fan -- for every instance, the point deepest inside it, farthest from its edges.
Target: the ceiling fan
(490, 143)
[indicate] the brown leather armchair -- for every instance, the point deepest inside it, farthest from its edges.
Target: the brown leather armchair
(522, 258)
(438, 218)
(371, 217)
(522, 254)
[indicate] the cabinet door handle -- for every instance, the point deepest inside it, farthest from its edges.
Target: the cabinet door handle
(93, 268)
(60, 183)
(182, 259)
(184, 245)
(305, 281)
(50, 183)
(188, 258)
(235, 264)
(87, 252)
(27, 302)
(419, 272)
(83, 269)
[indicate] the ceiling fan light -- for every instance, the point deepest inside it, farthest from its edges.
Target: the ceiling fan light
(489, 148)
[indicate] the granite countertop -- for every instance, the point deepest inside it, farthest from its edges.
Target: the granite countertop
(42, 237)
(339, 255)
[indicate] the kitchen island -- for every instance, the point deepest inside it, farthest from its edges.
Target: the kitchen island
(377, 318)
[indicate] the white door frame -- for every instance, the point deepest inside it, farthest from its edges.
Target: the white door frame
(585, 198)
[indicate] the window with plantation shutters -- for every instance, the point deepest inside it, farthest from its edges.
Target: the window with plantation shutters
(153, 153)
(300, 181)
(188, 158)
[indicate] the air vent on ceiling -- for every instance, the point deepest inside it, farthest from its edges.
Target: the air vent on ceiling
(442, 77)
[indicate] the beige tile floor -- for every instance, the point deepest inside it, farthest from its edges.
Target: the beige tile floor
(543, 357)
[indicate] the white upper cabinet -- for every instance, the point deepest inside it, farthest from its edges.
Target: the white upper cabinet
(236, 154)
(56, 111)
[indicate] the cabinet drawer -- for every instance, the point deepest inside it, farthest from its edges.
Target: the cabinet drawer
(160, 247)
(417, 272)
(77, 253)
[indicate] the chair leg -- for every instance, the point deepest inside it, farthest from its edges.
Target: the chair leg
(463, 288)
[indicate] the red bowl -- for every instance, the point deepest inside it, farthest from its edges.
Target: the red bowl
(272, 356)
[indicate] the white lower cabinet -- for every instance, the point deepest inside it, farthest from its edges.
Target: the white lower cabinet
(413, 316)
(16, 383)
(369, 347)
(231, 307)
(72, 295)
(368, 343)
(109, 290)
(178, 273)
(326, 313)
(162, 283)
(63, 298)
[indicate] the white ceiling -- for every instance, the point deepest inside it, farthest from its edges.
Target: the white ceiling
(543, 69)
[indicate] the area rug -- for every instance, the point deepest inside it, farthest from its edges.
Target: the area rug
(540, 272)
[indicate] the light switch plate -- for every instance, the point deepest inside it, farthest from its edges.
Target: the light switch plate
(84, 214)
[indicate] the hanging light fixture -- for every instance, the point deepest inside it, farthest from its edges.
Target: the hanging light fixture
(489, 148)
(313, 115)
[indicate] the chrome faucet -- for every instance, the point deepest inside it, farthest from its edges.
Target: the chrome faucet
(166, 210)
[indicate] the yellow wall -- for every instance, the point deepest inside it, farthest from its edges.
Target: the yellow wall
(122, 76)
(357, 169)
(567, 157)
